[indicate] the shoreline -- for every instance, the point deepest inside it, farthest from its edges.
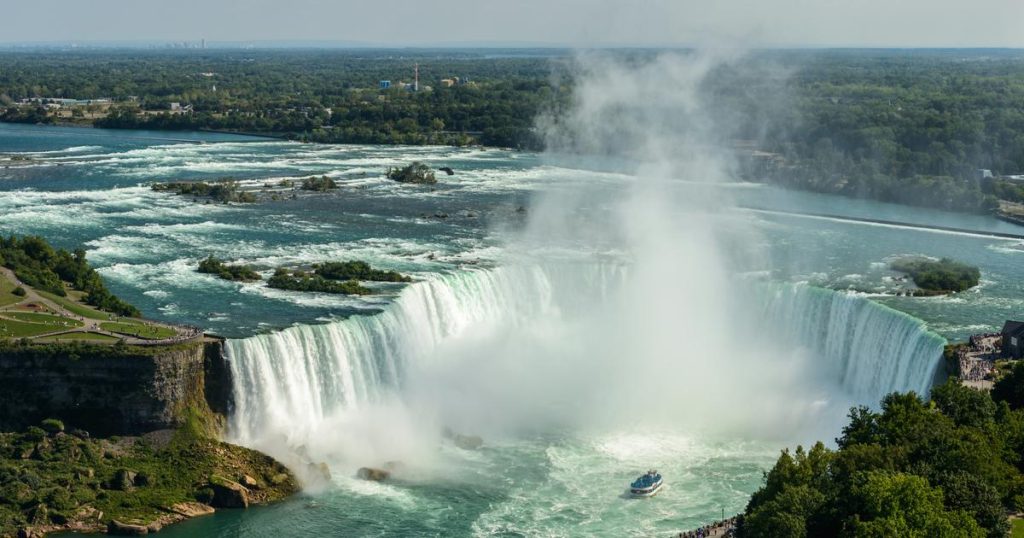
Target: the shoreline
(899, 224)
(84, 127)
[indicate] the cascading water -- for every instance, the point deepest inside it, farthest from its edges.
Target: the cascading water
(867, 348)
(291, 379)
(288, 382)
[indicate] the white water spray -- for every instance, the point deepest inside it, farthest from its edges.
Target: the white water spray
(617, 307)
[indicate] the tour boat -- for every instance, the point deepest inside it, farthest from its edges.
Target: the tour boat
(647, 485)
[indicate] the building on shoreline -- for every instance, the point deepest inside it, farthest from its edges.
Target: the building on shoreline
(1013, 339)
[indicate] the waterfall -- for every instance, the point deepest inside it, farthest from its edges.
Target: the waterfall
(304, 373)
(292, 379)
(867, 348)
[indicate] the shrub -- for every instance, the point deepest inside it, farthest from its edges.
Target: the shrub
(416, 172)
(52, 425)
(319, 184)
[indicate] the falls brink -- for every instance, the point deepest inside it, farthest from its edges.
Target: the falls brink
(294, 378)
(868, 348)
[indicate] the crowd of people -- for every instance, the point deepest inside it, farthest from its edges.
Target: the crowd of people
(977, 358)
(185, 333)
(725, 528)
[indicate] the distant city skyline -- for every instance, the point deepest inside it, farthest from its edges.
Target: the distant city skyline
(523, 23)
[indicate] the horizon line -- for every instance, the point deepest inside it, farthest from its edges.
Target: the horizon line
(171, 44)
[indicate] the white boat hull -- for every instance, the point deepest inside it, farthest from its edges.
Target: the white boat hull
(647, 492)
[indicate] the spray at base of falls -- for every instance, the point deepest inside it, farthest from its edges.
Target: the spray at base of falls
(292, 385)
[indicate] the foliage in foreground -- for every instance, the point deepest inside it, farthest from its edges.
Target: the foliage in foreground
(949, 466)
(45, 268)
(941, 276)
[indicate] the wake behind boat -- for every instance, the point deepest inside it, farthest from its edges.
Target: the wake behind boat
(647, 485)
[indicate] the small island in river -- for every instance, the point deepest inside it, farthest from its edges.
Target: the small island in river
(329, 277)
(938, 277)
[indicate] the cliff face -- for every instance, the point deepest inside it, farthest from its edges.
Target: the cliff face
(113, 390)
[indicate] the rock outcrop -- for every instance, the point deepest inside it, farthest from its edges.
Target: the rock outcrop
(228, 493)
(118, 528)
(374, 474)
(111, 390)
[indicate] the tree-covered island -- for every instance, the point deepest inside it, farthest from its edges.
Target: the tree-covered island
(299, 280)
(938, 277)
(240, 273)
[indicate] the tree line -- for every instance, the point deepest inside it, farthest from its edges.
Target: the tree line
(38, 264)
(949, 465)
(912, 127)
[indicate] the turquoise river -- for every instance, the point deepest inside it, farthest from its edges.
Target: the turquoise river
(585, 338)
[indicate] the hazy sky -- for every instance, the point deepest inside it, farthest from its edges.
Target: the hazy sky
(899, 23)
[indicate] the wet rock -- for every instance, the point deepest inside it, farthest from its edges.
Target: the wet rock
(468, 442)
(228, 493)
(320, 471)
(465, 442)
(371, 473)
(190, 509)
(117, 528)
(249, 482)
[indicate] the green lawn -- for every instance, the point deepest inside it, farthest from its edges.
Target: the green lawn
(80, 309)
(138, 330)
(1017, 528)
(6, 297)
(46, 319)
(20, 329)
(67, 337)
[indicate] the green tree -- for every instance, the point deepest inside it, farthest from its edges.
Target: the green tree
(1010, 388)
(898, 504)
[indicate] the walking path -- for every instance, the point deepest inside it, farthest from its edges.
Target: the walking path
(723, 528)
(91, 325)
